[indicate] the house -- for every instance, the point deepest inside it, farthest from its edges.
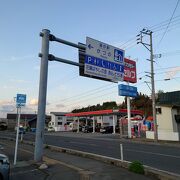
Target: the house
(168, 117)
(59, 121)
(26, 120)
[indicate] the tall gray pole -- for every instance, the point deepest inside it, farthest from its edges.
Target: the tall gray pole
(153, 91)
(17, 133)
(38, 153)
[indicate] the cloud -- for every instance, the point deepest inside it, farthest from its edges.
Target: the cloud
(7, 108)
(60, 105)
(33, 102)
(5, 102)
(8, 87)
(62, 88)
(172, 72)
(18, 58)
(19, 81)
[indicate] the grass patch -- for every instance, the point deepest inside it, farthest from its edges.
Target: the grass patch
(136, 167)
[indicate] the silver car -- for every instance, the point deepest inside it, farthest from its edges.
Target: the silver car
(4, 167)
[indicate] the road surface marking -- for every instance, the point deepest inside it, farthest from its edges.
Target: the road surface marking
(85, 143)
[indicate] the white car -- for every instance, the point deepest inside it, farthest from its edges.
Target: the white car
(51, 129)
(4, 167)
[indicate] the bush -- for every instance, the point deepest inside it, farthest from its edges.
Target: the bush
(136, 167)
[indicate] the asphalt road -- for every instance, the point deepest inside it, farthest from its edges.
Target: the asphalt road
(155, 155)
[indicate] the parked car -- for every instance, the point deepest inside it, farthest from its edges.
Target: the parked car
(74, 129)
(33, 129)
(87, 129)
(4, 167)
(21, 130)
(51, 129)
(106, 129)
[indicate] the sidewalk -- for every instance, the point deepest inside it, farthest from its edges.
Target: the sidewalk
(62, 166)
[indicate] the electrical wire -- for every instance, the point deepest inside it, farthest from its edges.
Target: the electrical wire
(110, 93)
(132, 42)
(161, 23)
(168, 23)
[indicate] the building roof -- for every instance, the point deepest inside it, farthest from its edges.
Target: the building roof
(169, 98)
(27, 117)
(59, 113)
(103, 112)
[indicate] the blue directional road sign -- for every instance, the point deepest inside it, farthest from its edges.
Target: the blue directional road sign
(126, 90)
(21, 99)
(104, 61)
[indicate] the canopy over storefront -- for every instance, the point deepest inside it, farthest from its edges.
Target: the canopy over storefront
(104, 112)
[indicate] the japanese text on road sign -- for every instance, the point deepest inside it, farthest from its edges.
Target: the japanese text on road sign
(104, 60)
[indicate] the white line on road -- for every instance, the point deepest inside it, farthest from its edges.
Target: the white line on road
(83, 143)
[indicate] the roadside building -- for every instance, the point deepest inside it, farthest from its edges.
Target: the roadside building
(59, 121)
(105, 118)
(26, 120)
(168, 117)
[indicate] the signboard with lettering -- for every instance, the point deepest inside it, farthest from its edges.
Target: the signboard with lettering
(104, 61)
(126, 90)
(130, 71)
(21, 99)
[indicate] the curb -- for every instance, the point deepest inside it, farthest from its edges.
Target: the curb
(149, 171)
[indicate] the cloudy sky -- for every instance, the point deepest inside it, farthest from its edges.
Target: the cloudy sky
(116, 22)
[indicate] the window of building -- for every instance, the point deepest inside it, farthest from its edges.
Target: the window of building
(158, 111)
(59, 123)
(60, 118)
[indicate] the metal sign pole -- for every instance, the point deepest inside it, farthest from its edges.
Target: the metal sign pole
(93, 125)
(78, 125)
(129, 116)
(42, 96)
(17, 133)
(114, 126)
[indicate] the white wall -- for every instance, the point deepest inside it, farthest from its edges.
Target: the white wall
(164, 120)
(167, 127)
(54, 122)
(108, 120)
(163, 135)
(99, 119)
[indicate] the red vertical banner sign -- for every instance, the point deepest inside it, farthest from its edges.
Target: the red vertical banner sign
(130, 71)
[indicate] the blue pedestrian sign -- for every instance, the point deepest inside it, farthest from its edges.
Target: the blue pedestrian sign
(21, 99)
(104, 61)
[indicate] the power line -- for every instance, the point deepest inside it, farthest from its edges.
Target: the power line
(165, 24)
(110, 93)
(169, 23)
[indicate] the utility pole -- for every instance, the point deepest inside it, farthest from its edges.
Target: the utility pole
(149, 46)
(38, 152)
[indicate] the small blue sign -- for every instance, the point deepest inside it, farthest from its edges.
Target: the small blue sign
(118, 56)
(127, 93)
(21, 99)
(125, 90)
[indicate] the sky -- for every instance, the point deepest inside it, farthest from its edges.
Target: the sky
(115, 22)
